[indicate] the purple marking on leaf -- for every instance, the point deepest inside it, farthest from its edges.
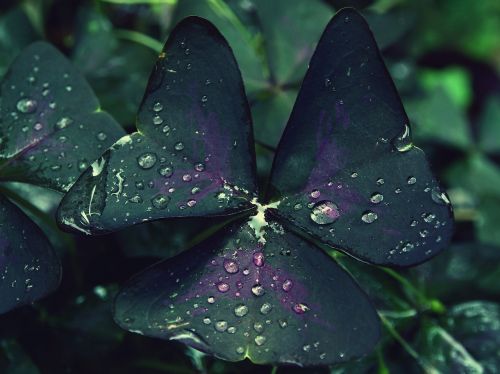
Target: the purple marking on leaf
(341, 114)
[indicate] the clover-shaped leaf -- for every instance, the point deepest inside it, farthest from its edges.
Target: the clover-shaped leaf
(345, 173)
(193, 154)
(50, 122)
(234, 297)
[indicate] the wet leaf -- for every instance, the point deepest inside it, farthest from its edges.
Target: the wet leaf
(193, 154)
(346, 170)
(51, 124)
(235, 296)
(29, 268)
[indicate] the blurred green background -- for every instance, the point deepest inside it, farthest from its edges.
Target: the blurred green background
(444, 56)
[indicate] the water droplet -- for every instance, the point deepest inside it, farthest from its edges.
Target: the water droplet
(101, 136)
(282, 323)
(204, 99)
(157, 107)
(157, 120)
(241, 310)
(439, 197)
(412, 180)
(207, 321)
(369, 217)
(325, 212)
(315, 194)
(240, 350)
(166, 129)
(297, 206)
(222, 287)
(166, 171)
(287, 285)
(402, 142)
(306, 348)
(211, 300)
(147, 160)
(135, 199)
(354, 175)
(377, 198)
(429, 217)
(38, 126)
(160, 201)
(424, 233)
(231, 266)
(380, 181)
(258, 326)
(179, 146)
(221, 326)
(26, 105)
(258, 259)
(191, 203)
(187, 178)
(64, 122)
(199, 166)
(258, 290)
(260, 340)
(266, 308)
(300, 308)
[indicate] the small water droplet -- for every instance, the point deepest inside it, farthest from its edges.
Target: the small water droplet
(147, 160)
(222, 287)
(380, 181)
(191, 203)
(157, 120)
(315, 194)
(300, 308)
(204, 99)
(412, 180)
(287, 285)
(402, 142)
(258, 290)
(231, 266)
(199, 166)
(38, 126)
(241, 310)
(64, 122)
(157, 107)
(325, 212)
(179, 146)
(221, 326)
(258, 259)
(377, 198)
(297, 206)
(260, 340)
(266, 308)
(369, 217)
(207, 321)
(101, 136)
(160, 201)
(26, 105)
(354, 175)
(166, 171)
(211, 300)
(240, 350)
(439, 197)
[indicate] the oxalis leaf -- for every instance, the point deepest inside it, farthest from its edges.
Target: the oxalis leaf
(346, 172)
(51, 128)
(283, 301)
(29, 268)
(193, 154)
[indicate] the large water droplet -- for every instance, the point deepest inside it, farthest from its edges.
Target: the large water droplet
(147, 160)
(412, 180)
(221, 326)
(266, 308)
(325, 212)
(26, 105)
(157, 120)
(259, 340)
(258, 290)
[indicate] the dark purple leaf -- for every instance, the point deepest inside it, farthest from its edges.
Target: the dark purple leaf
(346, 170)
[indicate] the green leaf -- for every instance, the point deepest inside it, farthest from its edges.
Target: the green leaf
(29, 268)
(288, 49)
(388, 28)
(437, 118)
(51, 124)
(16, 32)
(271, 114)
(193, 155)
(277, 300)
(346, 170)
(18, 360)
(489, 126)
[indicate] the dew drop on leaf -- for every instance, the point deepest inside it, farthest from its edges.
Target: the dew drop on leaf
(325, 212)
(231, 266)
(377, 198)
(147, 160)
(26, 105)
(241, 310)
(369, 217)
(160, 201)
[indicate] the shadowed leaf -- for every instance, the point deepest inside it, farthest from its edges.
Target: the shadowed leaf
(193, 154)
(274, 300)
(346, 170)
(29, 268)
(51, 125)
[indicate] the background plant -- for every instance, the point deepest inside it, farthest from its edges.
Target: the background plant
(443, 56)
